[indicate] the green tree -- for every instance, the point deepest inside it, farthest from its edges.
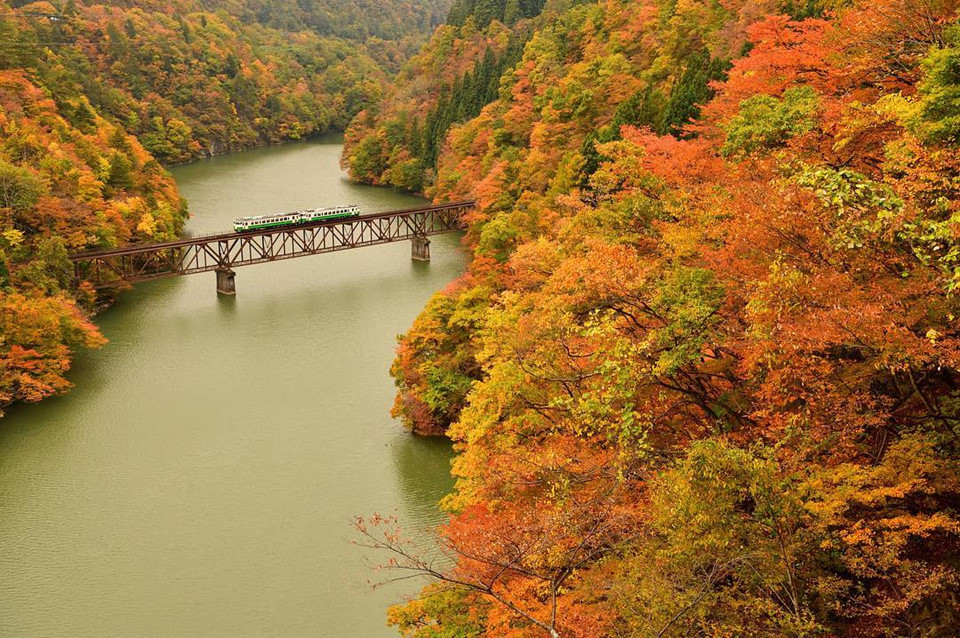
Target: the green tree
(691, 92)
(940, 91)
(121, 172)
(19, 187)
(367, 160)
(765, 122)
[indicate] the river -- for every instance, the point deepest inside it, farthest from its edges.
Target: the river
(200, 478)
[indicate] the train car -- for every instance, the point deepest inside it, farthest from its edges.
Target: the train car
(262, 222)
(336, 212)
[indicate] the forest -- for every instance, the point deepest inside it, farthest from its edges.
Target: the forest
(190, 82)
(702, 372)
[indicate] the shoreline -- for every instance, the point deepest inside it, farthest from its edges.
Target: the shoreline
(262, 144)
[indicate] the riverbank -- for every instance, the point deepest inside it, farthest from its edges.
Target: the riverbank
(329, 135)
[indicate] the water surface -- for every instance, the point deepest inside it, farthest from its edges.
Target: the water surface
(200, 478)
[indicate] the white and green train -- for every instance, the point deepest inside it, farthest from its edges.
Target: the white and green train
(278, 220)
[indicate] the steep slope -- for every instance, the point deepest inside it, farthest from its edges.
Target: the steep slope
(702, 373)
(589, 71)
(454, 76)
(195, 82)
(63, 188)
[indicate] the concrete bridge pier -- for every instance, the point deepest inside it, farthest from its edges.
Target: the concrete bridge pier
(420, 250)
(226, 284)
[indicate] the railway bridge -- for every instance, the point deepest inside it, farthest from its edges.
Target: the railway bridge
(224, 252)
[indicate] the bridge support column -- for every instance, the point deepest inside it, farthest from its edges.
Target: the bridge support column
(226, 284)
(420, 250)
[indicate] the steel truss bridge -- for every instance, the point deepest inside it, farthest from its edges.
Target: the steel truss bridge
(222, 253)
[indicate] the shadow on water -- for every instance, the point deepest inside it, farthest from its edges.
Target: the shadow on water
(227, 304)
(122, 322)
(415, 457)
(420, 268)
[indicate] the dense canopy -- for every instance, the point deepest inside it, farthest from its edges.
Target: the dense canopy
(703, 371)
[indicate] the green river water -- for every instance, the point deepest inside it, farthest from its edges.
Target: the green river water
(201, 477)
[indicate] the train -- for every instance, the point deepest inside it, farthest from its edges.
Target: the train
(278, 220)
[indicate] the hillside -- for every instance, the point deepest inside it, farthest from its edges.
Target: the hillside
(191, 82)
(702, 373)
(397, 141)
(63, 188)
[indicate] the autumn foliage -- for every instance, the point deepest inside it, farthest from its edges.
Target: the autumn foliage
(397, 141)
(739, 329)
(63, 190)
(191, 79)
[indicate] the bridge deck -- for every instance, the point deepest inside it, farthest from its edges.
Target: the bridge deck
(141, 262)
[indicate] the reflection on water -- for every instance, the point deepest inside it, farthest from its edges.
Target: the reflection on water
(200, 479)
(414, 457)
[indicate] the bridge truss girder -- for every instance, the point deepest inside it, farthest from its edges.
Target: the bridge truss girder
(224, 252)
